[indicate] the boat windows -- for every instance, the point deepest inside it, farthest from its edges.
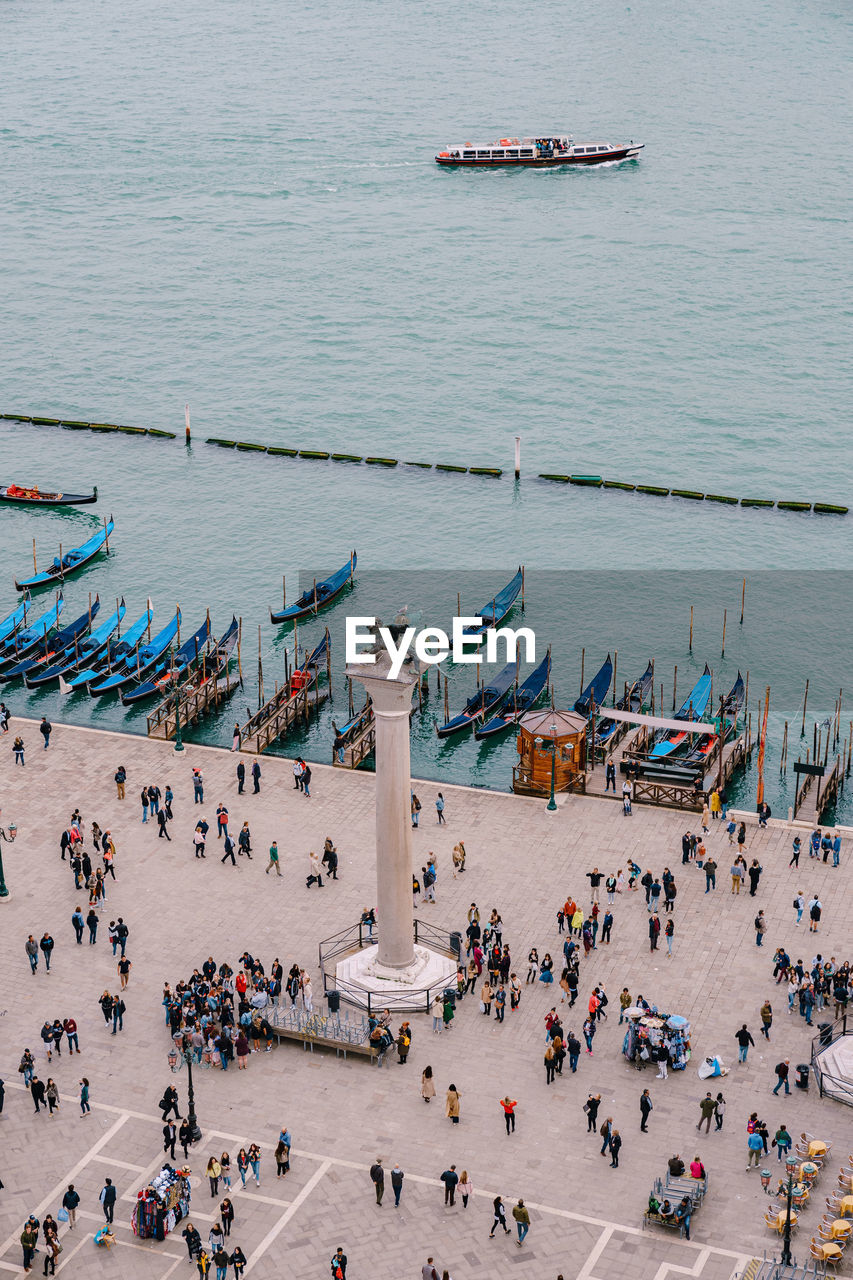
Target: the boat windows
(468, 155)
(527, 151)
(497, 154)
(484, 155)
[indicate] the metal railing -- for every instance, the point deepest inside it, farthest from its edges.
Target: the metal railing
(828, 1084)
(358, 936)
(320, 1026)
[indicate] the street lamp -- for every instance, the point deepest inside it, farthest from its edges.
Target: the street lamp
(790, 1165)
(5, 834)
(183, 1053)
(552, 804)
(179, 742)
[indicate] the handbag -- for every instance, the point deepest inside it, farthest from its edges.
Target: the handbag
(62, 1214)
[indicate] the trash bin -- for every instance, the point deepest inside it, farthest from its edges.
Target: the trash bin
(333, 999)
(450, 996)
(803, 1069)
(456, 944)
(825, 1032)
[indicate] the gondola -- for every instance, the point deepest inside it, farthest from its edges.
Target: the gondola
(78, 653)
(633, 701)
(21, 643)
(520, 701)
(71, 561)
(596, 691)
(481, 703)
(172, 669)
(321, 594)
(493, 613)
(211, 666)
(14, 619)
(31, 496)
(731, 709)
(52, 646)
(112, 653)
(693, 708)
(137, 664)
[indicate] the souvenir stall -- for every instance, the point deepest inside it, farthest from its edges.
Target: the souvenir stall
(649, 1029)
(162, 1204)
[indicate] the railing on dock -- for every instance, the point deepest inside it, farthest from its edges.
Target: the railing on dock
(276, 717)
(816, 795)
(191, 703)
(359, 740)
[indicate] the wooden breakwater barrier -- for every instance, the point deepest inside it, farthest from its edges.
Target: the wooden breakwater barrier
(448, 468)
(70, 424)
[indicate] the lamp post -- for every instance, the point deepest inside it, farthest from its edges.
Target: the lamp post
(184, 1053)
(179, 742)
(5, 834)
(552, 804)
(790, 1165)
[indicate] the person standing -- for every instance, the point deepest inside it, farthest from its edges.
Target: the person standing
(615, 1148)
(428, 1270)
(108, 1199)
(645, 1110)
(744, 1040)
(755, 1145)
(710, 869)
(439, 809)
(606, 1131)
(339, 1264)
(29, 1241)
(522, 1221)
(719, 1112)
(815, 909)
(397, 1176)
(754, 874)
(464, 1188)
(273, 862)
(45, 729)
(18, 749)
(377, 1177)
(782, 1075)
(451, 1104)
(170, 1137)
(760, 925)
(85, 1109)
(654, 932)
(782, 1141)
(499, 1218)
(427, 1084)
(509, 1105)
(241, 777)
(450, 1178)
(591, 1106)
(256, 778)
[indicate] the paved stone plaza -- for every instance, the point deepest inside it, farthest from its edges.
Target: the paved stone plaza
(343, 1114)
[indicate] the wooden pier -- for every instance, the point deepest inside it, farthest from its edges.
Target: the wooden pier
(276, 717)
(192, 703)
(668, 785)
(359, 740)
(816, 794)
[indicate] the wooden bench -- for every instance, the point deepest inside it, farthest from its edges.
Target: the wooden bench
(325, 1042)
(670, 1223)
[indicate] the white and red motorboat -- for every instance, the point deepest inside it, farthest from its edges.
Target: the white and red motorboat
(536, 153)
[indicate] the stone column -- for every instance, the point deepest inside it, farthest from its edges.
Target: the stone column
(392, 704)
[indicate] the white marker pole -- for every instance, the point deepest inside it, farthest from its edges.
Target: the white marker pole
(187, 421)
(517, 457)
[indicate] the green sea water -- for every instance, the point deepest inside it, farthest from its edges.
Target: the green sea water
(238, 208)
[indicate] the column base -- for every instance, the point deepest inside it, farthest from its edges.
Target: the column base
(361, 979)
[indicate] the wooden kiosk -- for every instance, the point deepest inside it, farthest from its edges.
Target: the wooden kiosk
(544, 735)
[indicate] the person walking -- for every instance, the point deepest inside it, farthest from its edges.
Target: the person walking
(783, 1142)
(754, 874)
(615, 1148)
(397, 1177)
(377, 1177)
(706, 1108)
(719, 1112)
(464, 1188)
(755, 1146)
(450, 1178)
(646, 1109)
(815, 910)
(273, 862)
(744, 1040)
(427, 1084)
(32, 949)
(760, 925)
(499, 1218)
(522, 1221)
(78, 920)
(451, 1104)
(37, 1092)
(781, 1070)
(119, 1010)
(229, 851)
(766, 1019)
(46, 946)
(710, 870)
(170, 1137)
(509, 1105)
(85, 1109)
(163, 833)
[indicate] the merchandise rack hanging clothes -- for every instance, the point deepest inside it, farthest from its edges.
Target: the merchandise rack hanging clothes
(162, 1204)
(648, 1030)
